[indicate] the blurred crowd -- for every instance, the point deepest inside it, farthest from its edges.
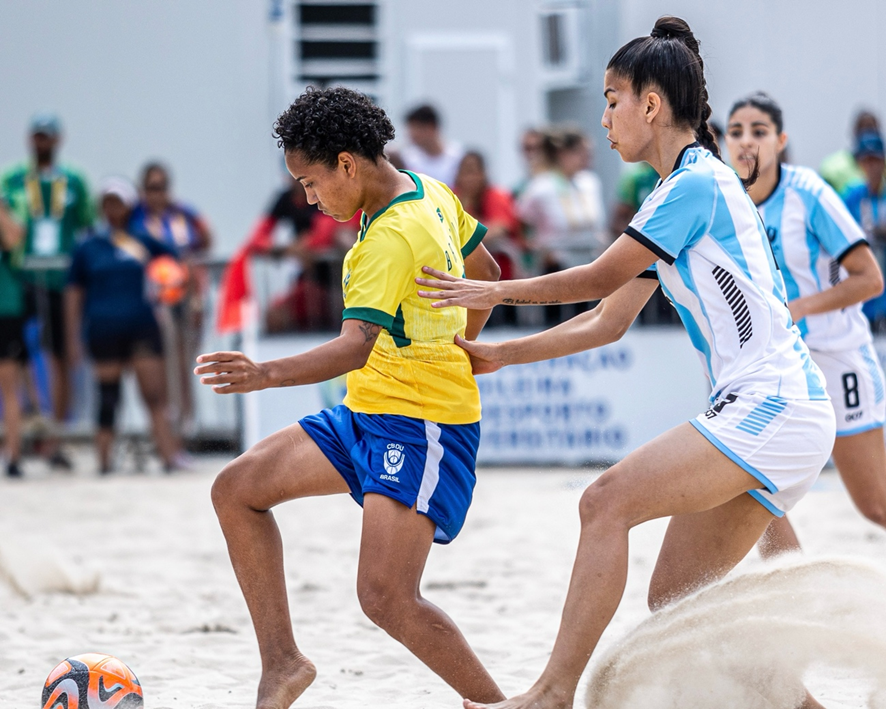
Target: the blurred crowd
(119, 277)
(115, 276)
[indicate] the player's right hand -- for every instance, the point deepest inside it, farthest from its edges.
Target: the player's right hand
(485, 357)
(231, 373)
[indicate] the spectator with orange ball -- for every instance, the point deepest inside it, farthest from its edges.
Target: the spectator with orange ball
(107, 302)
(180, 226)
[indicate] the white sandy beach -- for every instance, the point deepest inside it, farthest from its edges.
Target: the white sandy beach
(168, 604)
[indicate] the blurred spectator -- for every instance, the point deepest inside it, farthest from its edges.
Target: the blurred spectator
(494, 208)
(184, 229)
(635, 185)
(12, 340)
(394, 157)
(167, 220)
(53, 200)
(867, 203)
(840, 169)
(532, 149)
(107, 303)
(318, 243)
(563, 206)
(427, 151)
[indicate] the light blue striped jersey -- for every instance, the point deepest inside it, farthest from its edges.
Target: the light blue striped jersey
(811, 230)
(717, 268)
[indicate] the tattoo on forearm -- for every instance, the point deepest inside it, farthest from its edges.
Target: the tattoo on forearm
(525, 301)
(287, 383)
(370, 330)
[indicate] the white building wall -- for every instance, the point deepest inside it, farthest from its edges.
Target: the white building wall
(478, 62)
(191, 82)
(821, 60)
(185, 81)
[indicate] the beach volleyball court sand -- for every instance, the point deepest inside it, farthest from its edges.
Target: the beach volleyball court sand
(136, 566)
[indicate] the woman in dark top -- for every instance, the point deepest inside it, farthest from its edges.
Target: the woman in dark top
(108, 304)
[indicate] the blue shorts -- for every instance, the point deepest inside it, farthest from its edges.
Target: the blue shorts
(415, 462)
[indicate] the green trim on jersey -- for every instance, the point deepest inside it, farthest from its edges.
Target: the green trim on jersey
(474, 241)
(376, 317)
(417, 194)
(398, 329)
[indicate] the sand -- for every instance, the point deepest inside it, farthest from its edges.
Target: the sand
(149, 581)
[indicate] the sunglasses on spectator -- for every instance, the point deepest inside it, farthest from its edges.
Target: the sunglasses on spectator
(156, 187)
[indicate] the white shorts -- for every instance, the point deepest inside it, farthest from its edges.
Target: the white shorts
(784, 443)
(855, 384)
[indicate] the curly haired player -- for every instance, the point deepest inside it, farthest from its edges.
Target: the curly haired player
(404, 442)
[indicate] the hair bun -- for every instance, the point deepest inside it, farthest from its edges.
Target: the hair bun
(669, 27)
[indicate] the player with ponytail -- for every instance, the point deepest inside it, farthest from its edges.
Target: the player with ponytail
(723, 476)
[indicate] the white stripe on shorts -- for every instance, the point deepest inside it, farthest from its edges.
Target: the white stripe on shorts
(431, 474)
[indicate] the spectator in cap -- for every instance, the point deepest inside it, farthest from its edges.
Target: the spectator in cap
(52, 200)
(840, 170)
(12, 340)
(867, 203)
(108, 305)
(427, 152)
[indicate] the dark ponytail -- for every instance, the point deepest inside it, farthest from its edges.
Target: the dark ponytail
(669, 59)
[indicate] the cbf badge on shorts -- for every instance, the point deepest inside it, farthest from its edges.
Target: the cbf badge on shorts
(394, 457)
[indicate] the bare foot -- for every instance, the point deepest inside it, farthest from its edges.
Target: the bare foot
(535, 698)
(280, 687)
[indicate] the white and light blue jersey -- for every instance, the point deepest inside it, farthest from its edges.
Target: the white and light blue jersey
(717, 268)
(811, 230)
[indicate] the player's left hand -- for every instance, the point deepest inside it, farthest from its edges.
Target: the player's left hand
(485, 357)
(473, 295)
(231, 373)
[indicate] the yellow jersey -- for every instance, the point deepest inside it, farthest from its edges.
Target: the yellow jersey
(415, 368)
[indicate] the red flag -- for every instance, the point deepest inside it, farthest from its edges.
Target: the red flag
(236, 288)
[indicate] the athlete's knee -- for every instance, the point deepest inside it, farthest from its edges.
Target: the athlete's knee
(598, 502)
(232, 484)
(108, 400)
(383, 601)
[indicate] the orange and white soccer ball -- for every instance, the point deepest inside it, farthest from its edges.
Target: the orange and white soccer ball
(167, 280)
(92, 681)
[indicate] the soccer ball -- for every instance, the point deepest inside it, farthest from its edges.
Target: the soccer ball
(92, 681)
(167, 280)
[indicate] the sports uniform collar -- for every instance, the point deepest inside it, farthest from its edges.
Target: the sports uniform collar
(416, 194)
(677, 164)
(774, 189)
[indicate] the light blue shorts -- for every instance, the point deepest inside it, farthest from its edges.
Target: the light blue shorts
(784, 443)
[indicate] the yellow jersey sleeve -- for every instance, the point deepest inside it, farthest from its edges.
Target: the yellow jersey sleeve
(380, 276)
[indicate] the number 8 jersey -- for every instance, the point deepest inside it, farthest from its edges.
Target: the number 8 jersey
(811, 231)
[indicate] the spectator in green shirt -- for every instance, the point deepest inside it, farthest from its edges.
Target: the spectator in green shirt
(635, 185)
(12, 340)
(52, 200)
